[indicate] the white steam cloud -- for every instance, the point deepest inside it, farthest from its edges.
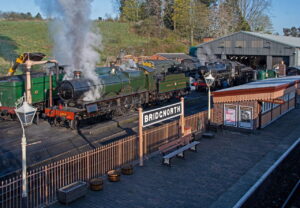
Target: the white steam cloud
(76, 41)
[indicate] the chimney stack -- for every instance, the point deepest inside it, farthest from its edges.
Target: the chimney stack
(77, 74)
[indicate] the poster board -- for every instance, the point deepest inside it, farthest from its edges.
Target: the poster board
(246, 117)
(230, 115)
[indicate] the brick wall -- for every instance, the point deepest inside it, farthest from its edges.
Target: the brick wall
(276, 112)
(292, 104)
(218, 112)
(266, 118)
(284, 107)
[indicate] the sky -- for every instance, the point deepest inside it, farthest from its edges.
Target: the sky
(284, 13)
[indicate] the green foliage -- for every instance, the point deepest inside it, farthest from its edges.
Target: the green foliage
(19, 16)
(131, 10)
(38, 16)
(181, 14)
(17, 37)
(293, 31)
(244, 25)
(150, 27)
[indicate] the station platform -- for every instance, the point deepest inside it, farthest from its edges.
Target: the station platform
(218, 175)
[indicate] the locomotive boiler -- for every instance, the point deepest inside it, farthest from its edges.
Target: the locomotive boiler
(115, 92)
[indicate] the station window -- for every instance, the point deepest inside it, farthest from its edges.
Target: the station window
(240, 44)
(286, 97)
(292, 95)
(227, 43)
(267, 44)
(266, 107)
(222, 44)
(257, 43)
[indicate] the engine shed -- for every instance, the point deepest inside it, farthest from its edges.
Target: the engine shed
(253, 49)
(257, 104)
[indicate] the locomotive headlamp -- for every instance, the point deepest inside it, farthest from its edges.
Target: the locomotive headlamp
(26, 113)
(209, 80)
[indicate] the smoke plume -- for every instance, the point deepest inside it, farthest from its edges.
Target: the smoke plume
(76, 41)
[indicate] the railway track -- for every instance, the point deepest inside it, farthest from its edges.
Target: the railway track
(49, 144)
(293, 199)
(278, 186)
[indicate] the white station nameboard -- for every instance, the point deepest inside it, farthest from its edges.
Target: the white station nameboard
(161, 114)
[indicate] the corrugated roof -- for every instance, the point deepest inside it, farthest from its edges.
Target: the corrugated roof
(286, 40)
(275, 82)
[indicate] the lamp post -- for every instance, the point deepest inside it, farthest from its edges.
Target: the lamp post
(25, 113)
(209, 82)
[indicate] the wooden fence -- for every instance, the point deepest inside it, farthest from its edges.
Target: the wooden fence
(154, 137)
(44, 182)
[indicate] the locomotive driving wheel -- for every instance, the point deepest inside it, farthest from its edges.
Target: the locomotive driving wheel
(127, 104)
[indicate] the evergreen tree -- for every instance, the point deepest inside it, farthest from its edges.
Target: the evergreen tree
(38, 16)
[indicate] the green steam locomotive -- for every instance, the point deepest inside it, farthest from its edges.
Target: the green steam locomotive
(117, 91)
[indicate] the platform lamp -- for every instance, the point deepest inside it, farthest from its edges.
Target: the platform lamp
(209, 82)
(25, 113)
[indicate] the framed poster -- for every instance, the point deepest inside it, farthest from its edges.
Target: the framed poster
(246, 117)
(230, 115)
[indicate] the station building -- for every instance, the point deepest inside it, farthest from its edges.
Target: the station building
(252, 49)
(257, 104)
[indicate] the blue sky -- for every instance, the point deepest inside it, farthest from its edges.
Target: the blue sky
(284, 13)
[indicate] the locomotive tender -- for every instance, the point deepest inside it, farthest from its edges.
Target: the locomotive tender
(12, 88)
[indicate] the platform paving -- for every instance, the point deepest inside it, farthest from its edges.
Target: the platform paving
(222, 170)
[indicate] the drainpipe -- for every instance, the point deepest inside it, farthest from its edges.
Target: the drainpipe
(259, 114)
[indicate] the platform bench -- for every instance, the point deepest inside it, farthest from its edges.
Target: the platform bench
(179, 152)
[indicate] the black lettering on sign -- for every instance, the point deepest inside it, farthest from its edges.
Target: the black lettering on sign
(161, 114)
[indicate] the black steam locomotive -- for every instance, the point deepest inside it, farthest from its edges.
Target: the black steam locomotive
(226, 73)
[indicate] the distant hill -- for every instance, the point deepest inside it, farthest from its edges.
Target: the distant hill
(17, 37)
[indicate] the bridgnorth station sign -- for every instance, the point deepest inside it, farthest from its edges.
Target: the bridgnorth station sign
(161, 114)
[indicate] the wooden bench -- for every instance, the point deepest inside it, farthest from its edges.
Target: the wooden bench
(170, 146)
(177, 148)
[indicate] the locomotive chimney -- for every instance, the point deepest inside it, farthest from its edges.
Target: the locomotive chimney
(77, 74)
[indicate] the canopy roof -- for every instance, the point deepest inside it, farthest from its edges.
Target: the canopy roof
(268, 89)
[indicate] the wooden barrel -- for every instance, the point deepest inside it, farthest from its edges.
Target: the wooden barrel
(96, 184)
(113, 175)
(127, 170)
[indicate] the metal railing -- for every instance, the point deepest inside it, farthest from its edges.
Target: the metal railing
(44, 182)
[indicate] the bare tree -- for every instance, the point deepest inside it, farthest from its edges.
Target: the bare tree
(256, 13)
(224, 17)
